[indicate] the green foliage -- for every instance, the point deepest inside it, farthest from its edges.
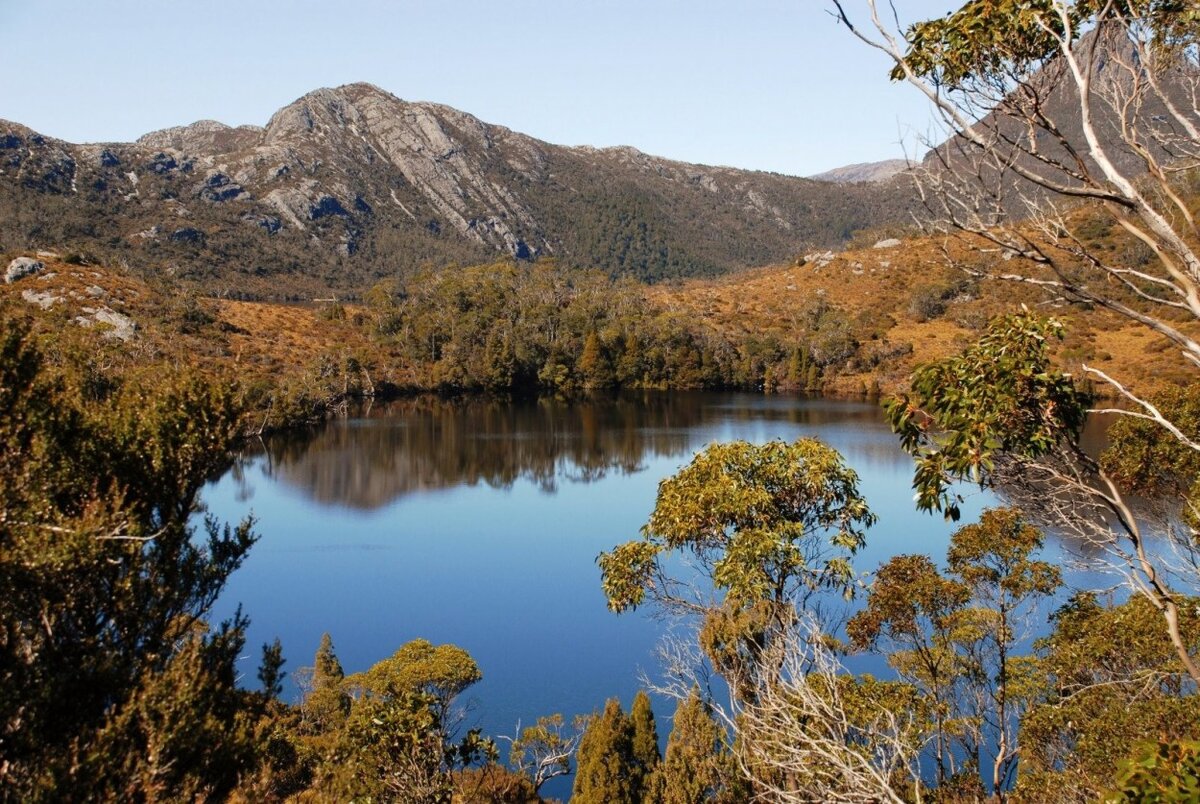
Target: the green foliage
(919, 620)
(773, 521)
(1000, 397)
(953, 638)
(270, 670)
(986, 38)
(327, 670)
(493, 784)
(929, 301)
(395, 749)
(543, 751)
(389, 734)
(993, 559)
(183, 734)
(698, 764)
(1151, 461)
(608, 772)
(645, 738)
(334, 311)
(441, 672)
(510, 326)
(911, 602)
(543, 327)
(187, 314)
(1108, 678)
(1161, 773)
(105, 583)
(326, 704)
(594, 364)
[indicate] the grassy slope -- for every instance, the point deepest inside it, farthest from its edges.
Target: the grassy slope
(291, 352)
(272, 345)
(881, 282)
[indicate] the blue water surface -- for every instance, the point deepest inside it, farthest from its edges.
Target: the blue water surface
(478, 523)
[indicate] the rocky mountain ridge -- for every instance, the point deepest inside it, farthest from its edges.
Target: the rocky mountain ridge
(864, 172)
(349, 184)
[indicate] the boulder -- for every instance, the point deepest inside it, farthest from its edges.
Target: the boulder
(817, 259)
(116, 325)
(22, 267)
(890, 242)
(44, 300)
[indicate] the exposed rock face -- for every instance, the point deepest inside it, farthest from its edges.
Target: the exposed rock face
(352, 183)
(188, 235)
(203, 136)
(22, 267)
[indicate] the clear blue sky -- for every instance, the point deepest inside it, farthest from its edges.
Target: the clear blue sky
(764, 84)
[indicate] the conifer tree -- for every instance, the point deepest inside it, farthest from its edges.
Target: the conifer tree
(327, 704)
(270, 671)
(593, 363)
(327, 669)
(645, 739)
(691, 771)
(606, 767)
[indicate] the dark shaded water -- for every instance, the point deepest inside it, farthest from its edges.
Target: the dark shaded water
(478, 523)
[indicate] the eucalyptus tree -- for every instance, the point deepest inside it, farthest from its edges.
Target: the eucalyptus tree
(954, 636)
(741, 545)
(739, 539)
(1061, 118)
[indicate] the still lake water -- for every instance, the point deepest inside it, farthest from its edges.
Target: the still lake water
(478, 523)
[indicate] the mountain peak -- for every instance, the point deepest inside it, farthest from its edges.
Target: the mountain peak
(349, 183)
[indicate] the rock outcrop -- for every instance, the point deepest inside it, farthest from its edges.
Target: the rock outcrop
(352, 183)
(22, 267)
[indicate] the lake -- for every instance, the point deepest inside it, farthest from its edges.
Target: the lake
(478, 523)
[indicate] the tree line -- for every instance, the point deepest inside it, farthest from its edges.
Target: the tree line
(542, 327)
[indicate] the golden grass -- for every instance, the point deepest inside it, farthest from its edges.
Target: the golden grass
(880, 282)
(271, 342)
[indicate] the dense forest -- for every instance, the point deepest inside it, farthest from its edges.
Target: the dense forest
(544, 328)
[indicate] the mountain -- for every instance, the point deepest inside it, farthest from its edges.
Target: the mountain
(350, 184)
(864, 172)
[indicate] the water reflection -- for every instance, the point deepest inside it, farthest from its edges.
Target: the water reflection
(373, 458)
(430, 519)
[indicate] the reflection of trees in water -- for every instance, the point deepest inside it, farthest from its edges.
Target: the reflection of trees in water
(428, 443)
(423, 444)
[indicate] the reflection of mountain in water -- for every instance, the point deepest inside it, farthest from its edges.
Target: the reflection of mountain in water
(423, 444)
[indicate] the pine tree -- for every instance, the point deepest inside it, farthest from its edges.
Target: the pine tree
(270, 671)
(593, 365)
(326, 667)
(691, 773)
(645, 740)
(606, 767)
(327, 704)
